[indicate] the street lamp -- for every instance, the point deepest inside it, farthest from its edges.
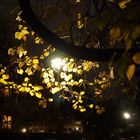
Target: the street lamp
(57, 63)
(126, 115)
(23, 130)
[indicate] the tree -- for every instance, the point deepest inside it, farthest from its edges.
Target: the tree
(78, 81)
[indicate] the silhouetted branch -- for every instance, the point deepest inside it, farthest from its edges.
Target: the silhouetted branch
(60, 44)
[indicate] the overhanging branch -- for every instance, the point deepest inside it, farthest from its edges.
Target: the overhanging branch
(74, 51)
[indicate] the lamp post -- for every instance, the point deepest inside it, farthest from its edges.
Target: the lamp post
(57, 64)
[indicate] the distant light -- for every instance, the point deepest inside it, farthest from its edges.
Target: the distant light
(23, 130)
(57, 63)
(77, 128)
(126, 115)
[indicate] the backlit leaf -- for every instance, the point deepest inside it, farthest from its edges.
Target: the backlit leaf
(43, 103)
(50, 99)
(29, 71)
(20, 71)
(123, 3)
(91, 106)
(136, 58)
(37, 88)
(38, 95)
(130, 71)
(21, 64)
(82, 110)
(11, 51)
(55, 90)
(5, 76)
(27, 89)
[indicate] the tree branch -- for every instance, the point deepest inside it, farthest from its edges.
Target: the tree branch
(60, 44)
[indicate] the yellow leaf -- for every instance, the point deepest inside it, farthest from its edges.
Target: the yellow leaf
(82, 92)
(32, 92)
(71, 60)
(76, 83)
(20, 71)
(130, 71)
(79, 22)
(74, 69)
(91, 106)
(97, 107)
(50, 99)
(65, 68)
(42, 57)
(35, 61)
(46, 54)
(52, 79)
(21, 64)
(24, 31)
(38, 95)
(21, 51)
(37, 88)
(38, 40)
(5, 76)
(50, 71)
(24, 84)
(26, 79)
(22, 89)
(55, 90)
(98, 92)
(18, 35)
(29, 71)
(32, 33)
(20, 26)
(81, 81)
(103, 109)
(46, 80)
(36, 66)
(75, 105)
(87, 65)
(123, 3)
(30, 85)
(99, 112)
(11, 51)
(49, 84)
(45, 75)
(79, 71)
(80, 101)
(6, 92)
(62, 75)
(136, 58)
(63, 83)
(114, 34)
(2, 71)
(82, 110)
(18, 18)
(3, 81)
(27, 89)
(69, 77)
(43, 103)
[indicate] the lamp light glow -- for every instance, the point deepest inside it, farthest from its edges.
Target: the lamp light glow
(23, 130)
(57, 63)
(126, 115)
